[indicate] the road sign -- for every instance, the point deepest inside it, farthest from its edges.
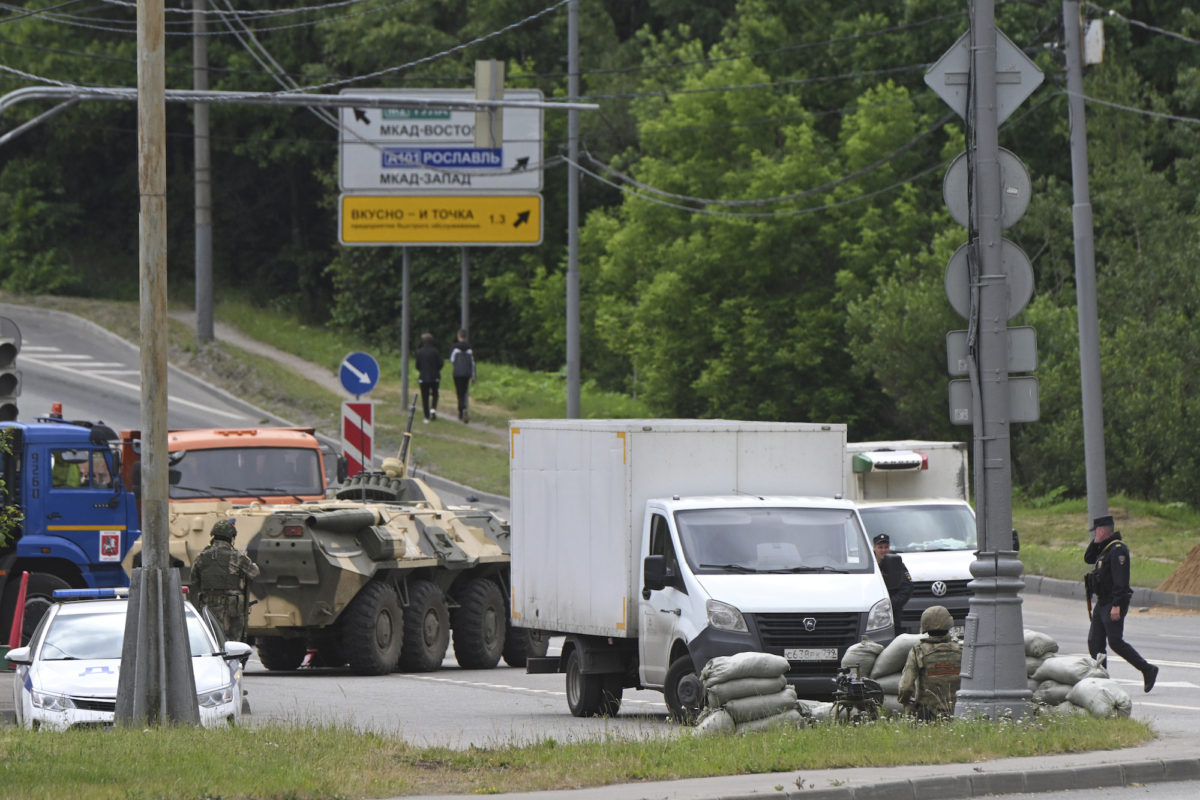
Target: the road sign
(444, 220)
(359, 373)
(1023, 403)
(1015, 189)
(358, 435)
(1016, 76)
(1016, 267)
(1022, 350)
(422, 151)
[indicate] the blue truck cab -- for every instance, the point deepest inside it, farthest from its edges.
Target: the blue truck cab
(78, 522)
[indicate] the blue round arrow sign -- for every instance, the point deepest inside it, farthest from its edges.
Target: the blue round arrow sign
(359, 373)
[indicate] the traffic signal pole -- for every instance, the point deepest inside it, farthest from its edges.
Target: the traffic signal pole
(573, 351)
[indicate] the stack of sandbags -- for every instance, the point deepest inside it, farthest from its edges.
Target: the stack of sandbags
(747, 692)
(1038, 647)
(889, 667)
(1101, 697)
(1059, 675)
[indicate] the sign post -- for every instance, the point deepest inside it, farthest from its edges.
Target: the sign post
(359, 374)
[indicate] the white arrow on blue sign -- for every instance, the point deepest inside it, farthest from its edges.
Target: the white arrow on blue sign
(359, 373)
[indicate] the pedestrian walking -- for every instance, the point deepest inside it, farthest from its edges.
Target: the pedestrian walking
(221, 576)
(464, 372)
(1109, 581)
(930, 682)
(895, 577)
(429, 375)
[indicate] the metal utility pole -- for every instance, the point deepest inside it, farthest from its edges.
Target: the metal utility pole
(203, 168)
(466, 291)
(156, 683)
(573, 372)
(1085, 273)
(405, 324)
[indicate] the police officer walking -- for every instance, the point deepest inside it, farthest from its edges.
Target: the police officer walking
(1109, 581)
(931, 675)
(220, 576)
(895, 577)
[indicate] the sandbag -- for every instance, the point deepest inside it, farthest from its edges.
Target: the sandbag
(863, 656)
(713, 722)
(790, 718)
(891, 705)
(892, 658)
(1031, 665)
(722, 693)
(1101, 697)
(748, 709)
(723, 669)
(818, 711)
(1039, 645)
(1033, 685)
(1067, 709)
(1051, 693)
(889, 683)
(1069, 669)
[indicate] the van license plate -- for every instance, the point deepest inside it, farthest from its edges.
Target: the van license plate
(811, 654)
(958, 631)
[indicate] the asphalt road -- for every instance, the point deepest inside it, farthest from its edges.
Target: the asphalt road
(1186, 790)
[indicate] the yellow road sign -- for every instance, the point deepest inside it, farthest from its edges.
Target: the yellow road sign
(444, 220)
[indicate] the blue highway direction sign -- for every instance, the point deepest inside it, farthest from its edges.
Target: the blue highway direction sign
(359, 373)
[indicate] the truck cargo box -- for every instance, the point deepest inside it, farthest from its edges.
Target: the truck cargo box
(579, 490)
(907, 470)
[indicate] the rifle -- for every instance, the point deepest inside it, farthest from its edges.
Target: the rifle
(1087, 588)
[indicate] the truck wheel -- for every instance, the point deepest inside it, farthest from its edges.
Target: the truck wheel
(521, 644)
(281, 655)
(684, 691)
(427, 629)
(38, 599)
(373, 630)
(479, 626)
(591, 695)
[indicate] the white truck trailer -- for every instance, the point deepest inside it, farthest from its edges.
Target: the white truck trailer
(655, 545)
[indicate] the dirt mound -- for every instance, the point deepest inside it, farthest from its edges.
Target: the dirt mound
(1185, 579)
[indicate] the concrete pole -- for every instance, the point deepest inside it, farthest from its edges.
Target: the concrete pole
(466, 291)
(1085, 275)
(405, 325)
(203, 167)
(993, 665)
(573, 371)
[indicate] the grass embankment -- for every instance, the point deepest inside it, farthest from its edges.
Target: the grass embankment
(319, 762)
(1053, 537)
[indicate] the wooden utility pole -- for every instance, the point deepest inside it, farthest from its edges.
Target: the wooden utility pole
(203, 171)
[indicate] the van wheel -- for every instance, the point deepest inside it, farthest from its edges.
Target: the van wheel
(373, 631)
(281, 655)
(427, 634)
(591, 695)
(38, 599)
(521, 644)
(684, 691)
(479, 626)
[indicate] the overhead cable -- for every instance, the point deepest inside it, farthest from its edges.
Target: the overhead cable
(1139, 24)
(275, 12)
(38, 11)
(1143, 111)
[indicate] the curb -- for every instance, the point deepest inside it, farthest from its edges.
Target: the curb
(954, 787)
(1142, 596)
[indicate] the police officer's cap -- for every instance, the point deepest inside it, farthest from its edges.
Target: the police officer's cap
(881, 539)
(1102, 522)
(224, 530)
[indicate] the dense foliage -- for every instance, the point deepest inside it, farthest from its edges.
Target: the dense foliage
(825, 306)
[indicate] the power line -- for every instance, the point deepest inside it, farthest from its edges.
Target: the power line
(278, 12)
(38, 10)
(1142, 111)
(1126, 19)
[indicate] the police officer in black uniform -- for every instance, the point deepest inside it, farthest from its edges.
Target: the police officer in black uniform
(1109, 580)
(895, 577)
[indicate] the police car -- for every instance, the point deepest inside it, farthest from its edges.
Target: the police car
(67, 676)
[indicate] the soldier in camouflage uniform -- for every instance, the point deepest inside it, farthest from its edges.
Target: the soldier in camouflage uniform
(220, 576)
(930, 681)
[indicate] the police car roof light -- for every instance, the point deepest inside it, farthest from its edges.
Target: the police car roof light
(89, 594)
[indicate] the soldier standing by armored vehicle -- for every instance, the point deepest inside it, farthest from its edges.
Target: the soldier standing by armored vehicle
(220, 576)
(931, 675)
(1109, 581)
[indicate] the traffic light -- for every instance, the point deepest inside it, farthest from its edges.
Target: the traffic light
(10, 376)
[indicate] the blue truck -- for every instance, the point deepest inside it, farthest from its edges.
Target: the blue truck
(78, 520)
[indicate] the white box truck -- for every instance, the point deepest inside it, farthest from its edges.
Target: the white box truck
(655, 545)
(918, 493)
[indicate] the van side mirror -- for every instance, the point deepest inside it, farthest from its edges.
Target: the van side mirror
(654, 573)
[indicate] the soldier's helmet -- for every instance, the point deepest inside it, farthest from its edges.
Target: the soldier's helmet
(936, 620)
(224, 529)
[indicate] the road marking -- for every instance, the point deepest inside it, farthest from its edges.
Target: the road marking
(64, 357)
(1157, 663)
(97, 364)
(1160, 684)
(42, 349)
(131, 386)
(114, 372)
(1168, 705)
(514, 688)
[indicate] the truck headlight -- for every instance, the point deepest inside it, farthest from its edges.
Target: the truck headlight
(725, 617)
(880, 616)
(51, 702)
(218, 697)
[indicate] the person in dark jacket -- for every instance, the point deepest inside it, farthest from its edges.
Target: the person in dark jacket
(429, 375)
(1109, 579)
(895, 577)
(464, 371)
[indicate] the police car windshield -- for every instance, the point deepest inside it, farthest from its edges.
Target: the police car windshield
(74, 636)
(287, 470)
(922, 528)
(719, 540)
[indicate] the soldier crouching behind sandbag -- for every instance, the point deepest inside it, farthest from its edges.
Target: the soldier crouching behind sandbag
(929, 685)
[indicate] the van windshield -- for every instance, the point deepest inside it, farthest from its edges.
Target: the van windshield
(247, 471)
(782, 540)
(922, 529)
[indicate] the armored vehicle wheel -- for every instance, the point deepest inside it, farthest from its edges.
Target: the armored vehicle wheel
(479, 624)
(591, 695)
(520, 644)
(427, 628)
(683, 691)
(373, 630)
(279, 654)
